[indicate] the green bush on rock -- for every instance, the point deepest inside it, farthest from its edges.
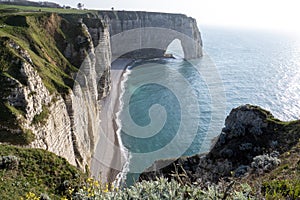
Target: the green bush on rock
(282, 189)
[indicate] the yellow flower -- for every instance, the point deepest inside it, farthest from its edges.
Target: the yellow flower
(96, 184)
(90, 180)
(106, 188)
(64, 198)
(70, 191)
(91, 194)
(30, 196)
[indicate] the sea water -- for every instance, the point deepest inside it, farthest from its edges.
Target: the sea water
(174, 107)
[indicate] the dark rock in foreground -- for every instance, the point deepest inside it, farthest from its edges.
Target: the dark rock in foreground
(251, 142)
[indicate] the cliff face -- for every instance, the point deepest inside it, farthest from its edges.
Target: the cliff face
(55, 69)
(152, 32)
(51, 89)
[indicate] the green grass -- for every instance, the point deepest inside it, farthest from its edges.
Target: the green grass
(24, 137)
(41, 34)
(4, 9)
(38, 172)
(42, 117)
(282, 189)
(284, 181)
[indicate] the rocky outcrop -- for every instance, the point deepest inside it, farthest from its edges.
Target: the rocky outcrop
(251, 142)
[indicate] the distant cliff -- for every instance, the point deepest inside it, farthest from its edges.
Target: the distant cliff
(55, 68)
(188, 32)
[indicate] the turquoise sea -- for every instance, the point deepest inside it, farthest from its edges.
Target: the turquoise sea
(174, 107)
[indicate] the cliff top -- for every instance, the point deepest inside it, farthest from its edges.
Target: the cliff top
(127, 14)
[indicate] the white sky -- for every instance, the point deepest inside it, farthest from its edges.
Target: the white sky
(282, 15)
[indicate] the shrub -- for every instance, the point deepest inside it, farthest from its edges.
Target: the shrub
(266, 162)
(159, 189)
(282, 189)
(9, 162)
(42, 117)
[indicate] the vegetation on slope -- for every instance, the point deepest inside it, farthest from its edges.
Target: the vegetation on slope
(38, 38)
(32, 32)
(38, 174)
(24, 171)
(284, 181)
(4, 9)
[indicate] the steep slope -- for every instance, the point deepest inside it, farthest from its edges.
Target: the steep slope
(42, 52)
(26, 172)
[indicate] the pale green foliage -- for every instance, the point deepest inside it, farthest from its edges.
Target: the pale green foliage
(244, 194)
(163, 189)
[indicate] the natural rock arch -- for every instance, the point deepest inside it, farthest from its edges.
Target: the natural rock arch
(175, 49)
(148, 34)
(151, 42)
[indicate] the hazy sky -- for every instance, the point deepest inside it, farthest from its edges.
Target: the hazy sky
(275, 14)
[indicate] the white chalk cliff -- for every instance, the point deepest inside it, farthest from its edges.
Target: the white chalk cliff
(67, 122)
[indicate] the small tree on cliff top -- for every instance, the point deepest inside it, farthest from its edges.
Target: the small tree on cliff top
(80, 6)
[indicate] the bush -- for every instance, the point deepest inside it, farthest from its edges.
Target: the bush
(282, 189)
(159, 189)
(42, 117)
(9, 162)
(266, 162)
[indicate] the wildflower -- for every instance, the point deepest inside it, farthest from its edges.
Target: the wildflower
(70, 190)
(31, 196)
(92, 194)
(106, 188)
(89, 180)
(96, 184)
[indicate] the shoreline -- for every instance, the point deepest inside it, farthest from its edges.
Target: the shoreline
(108, 158)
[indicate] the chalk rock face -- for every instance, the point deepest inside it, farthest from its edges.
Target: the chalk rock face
(161, 30)
(45, 115)
(92, 83)
(55, 133)
(67, 123)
